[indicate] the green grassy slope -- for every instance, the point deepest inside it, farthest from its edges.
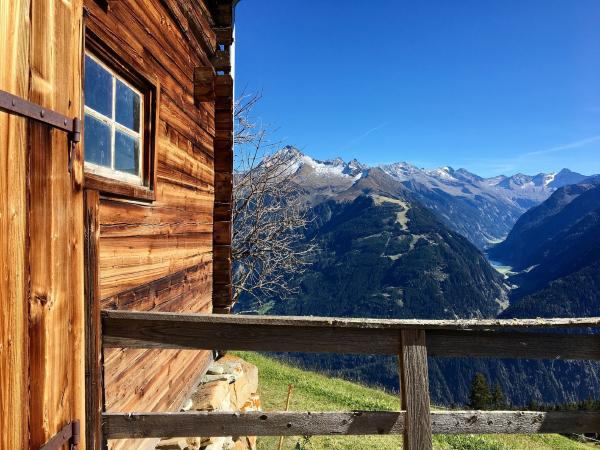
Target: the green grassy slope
(314, 392)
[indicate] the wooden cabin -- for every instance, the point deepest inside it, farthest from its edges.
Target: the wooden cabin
(116, 141)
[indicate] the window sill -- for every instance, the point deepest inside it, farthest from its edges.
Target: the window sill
(119, 188)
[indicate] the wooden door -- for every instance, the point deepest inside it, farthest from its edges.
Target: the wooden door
(41, 224)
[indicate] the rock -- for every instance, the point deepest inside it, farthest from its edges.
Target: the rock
(193, 443)
(220, 443)
(230, 378)
(187, 405)
(215, 369)
(213, 396)
(172, 444)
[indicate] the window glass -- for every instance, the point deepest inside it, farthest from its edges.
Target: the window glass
(113, 128)
(97, 141)
(127, 107)
(126, 153)
(98, 87)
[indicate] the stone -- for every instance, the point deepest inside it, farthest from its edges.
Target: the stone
(187, 405)
(215, 369)
(172, 444)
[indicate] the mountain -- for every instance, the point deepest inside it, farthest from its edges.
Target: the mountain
(390, 257)
(554, 249)
(540, 229)
(385, 256)
(482, 209)
(387, 249)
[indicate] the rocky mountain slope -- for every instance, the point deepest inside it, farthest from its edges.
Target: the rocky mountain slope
(555, 251)
(481, 209)
(388, 250)
(390, 257)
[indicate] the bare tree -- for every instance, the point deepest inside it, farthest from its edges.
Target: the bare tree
(269, 246)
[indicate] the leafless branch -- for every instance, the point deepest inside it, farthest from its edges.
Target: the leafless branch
(269, 247)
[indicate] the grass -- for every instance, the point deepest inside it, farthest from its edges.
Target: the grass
(315, 392)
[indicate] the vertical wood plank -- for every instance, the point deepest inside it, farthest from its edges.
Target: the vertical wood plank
(14, 78)
(56, 344)
(94, 392)
(414, 387)
(223, 166)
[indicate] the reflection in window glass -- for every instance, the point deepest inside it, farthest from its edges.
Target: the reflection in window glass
(128, 107)
(126, 153)
(113, 129)
(97, 142)
(98, 87)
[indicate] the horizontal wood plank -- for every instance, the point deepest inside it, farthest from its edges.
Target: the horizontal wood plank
(514, 422)
(144, 425)
(172, 330)
(361, 323)
(200, 423)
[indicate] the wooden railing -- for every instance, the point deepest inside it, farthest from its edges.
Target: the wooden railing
(411, 340)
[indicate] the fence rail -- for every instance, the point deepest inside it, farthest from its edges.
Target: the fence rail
(411, 340)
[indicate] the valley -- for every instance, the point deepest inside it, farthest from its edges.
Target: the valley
(397, 241)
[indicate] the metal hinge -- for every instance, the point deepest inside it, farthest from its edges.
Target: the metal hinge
(16, 105)
(68, 434)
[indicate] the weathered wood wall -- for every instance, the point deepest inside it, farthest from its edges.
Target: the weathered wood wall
(41, 252)
(14, 77)
(158, 255)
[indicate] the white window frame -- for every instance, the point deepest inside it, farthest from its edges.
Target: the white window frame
(111, 172)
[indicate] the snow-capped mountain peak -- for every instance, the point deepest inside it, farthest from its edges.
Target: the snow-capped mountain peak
(336, 167)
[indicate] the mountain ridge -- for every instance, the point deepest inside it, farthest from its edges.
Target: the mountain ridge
(482, 209)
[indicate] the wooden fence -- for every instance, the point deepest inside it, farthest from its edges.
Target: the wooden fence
(411, 340)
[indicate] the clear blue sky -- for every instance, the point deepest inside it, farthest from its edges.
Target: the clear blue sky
(495, 86)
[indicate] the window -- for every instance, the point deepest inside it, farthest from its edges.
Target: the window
(113, 124)
(120, 117)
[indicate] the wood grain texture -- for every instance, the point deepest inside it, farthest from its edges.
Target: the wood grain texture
(365, 323)
(56, 344)
(223, 156)
(94, 394)
(14, 78)
(500, 344)
(414, 387)
(158, 255)
(253, 423)
(139, 425)
(514, 422)
(314, 334)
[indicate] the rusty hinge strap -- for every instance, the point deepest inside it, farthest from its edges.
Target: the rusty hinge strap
(16, 105)
(69, 433)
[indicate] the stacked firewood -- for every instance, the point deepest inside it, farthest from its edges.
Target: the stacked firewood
(230, 384)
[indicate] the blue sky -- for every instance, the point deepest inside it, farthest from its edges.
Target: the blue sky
(495, 86)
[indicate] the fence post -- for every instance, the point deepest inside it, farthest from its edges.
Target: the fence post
(414, 389)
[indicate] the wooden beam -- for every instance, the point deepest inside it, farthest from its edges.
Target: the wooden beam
(198, 423)
(414, 387)
(221, 60)
(397, 324)
(224, 35)
(515, 422)
(94, 392)
(204, 84)
(501, 344)
(185, 424)
(309, 334)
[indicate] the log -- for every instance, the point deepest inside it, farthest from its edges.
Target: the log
(294, 334)
(414, 387)
(256, 423)
(198, 423)
(397, 324)
(515, 422)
